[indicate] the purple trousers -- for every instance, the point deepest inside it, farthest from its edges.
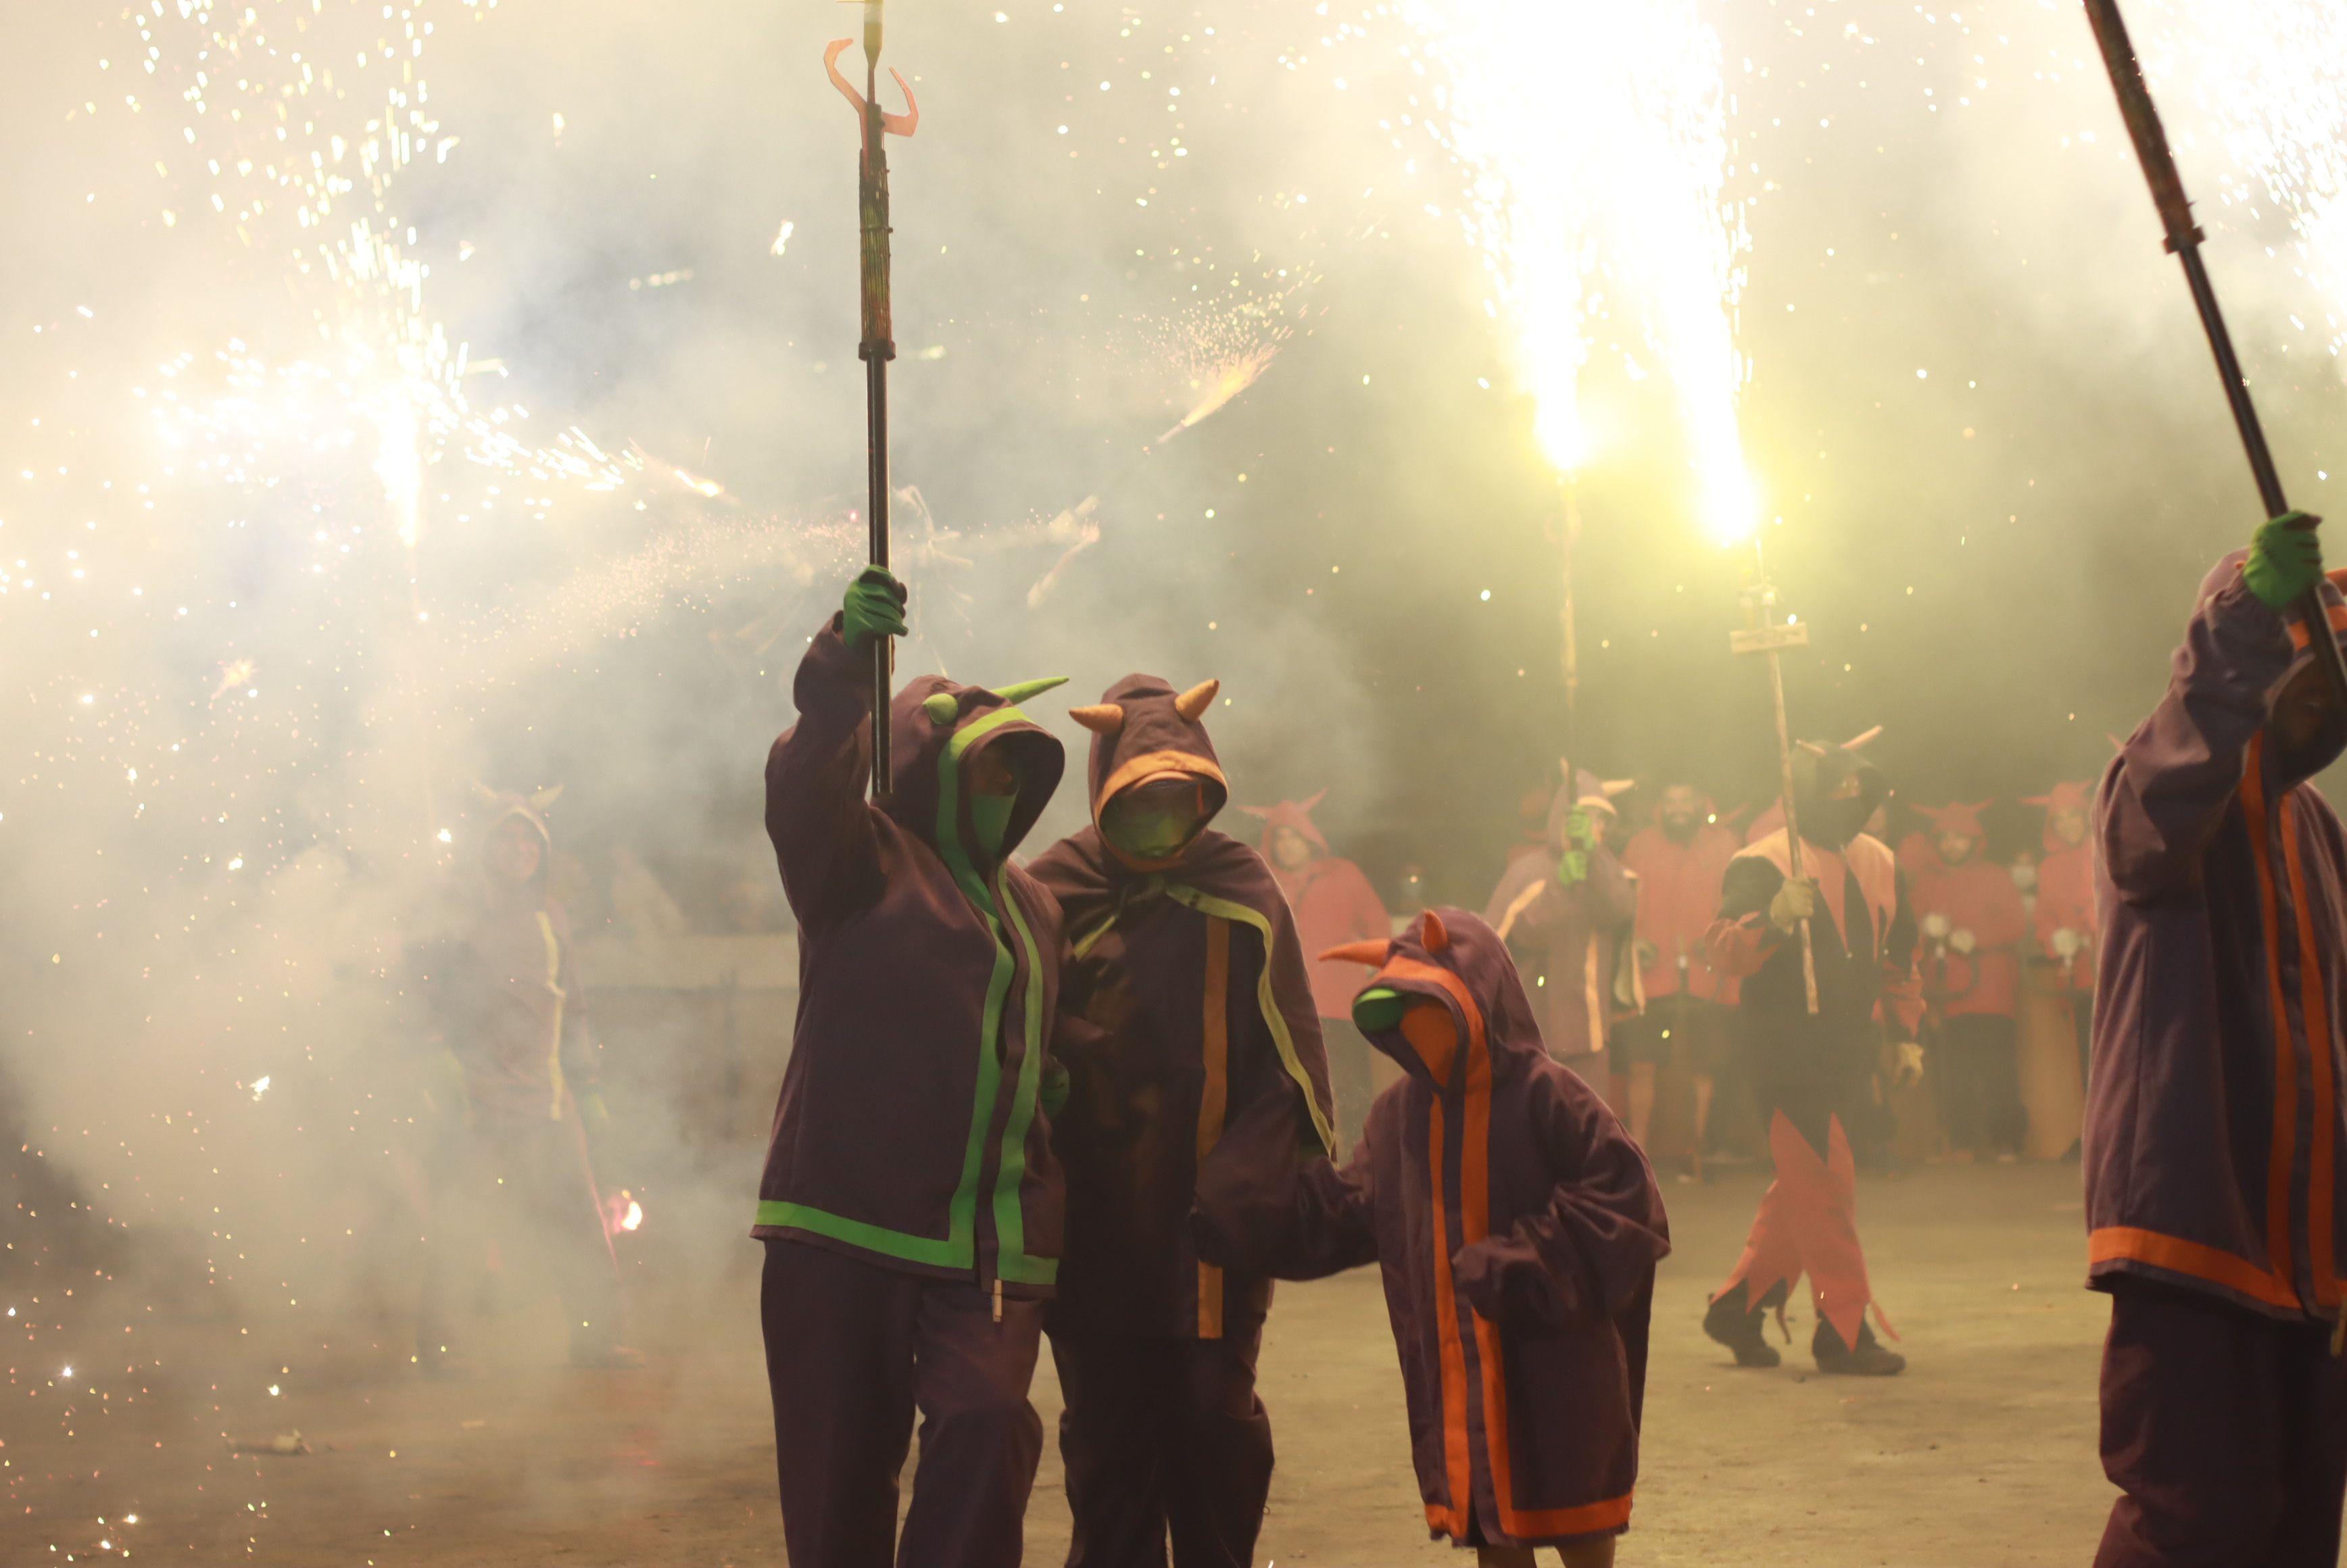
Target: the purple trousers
(2226, 1430)
(1163, 1437)
(853, 1350)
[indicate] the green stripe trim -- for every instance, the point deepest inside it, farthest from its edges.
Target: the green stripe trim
(950, 1253)
(1267, 998)
(1010, 1262)
(958, 1249)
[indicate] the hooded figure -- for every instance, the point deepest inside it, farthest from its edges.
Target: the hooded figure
(1679, 861)
(2069, 928)
(1565, 912)
(514, 1182)
(1809, 1068)
(911, 1205)
(2216, 1193)
(1517, 1228)
(1972, 922)
(1334, 905)
(2067, 924)
(1200, 1052)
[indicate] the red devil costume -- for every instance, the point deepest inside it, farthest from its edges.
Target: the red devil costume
(1679, 862)
(514, 1182)
(1973, 923)
(2068, 928)
(2215, 1191)
(1201, 1054)
(1807, 1069)
(1517, 1228)
(911, 1204)
(1568, 909)
(1334, 905)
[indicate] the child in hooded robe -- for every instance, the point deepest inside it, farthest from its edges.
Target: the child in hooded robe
(1517, 1228)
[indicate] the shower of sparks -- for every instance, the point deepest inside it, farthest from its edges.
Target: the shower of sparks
(2271, 82)
(1226, 381)
(1646, 229)
(295, 157)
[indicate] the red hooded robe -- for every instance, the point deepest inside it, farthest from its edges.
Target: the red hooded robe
(2065, 889)
(1333, 901)
(1978, 896)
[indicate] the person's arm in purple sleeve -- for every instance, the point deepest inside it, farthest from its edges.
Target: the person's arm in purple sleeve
(1590, 1251)
(822, 830)
(2167, 790)
(1319, 1220)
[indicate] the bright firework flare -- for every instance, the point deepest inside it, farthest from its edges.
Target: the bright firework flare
(1596, 133)
(2271, 82)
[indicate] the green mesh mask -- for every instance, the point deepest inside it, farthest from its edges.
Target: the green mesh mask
(989, 817)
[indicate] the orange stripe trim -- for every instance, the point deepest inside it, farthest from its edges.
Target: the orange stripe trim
(2315, 1009)
(2298, 638)
(1587, 1519)
(2180, 1256)
(1458, 1467)
(1458, 1457)
(1215, 1100)
(2284, 1152)
(1132, 770)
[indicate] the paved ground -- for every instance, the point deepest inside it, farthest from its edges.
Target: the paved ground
(1983, 1454)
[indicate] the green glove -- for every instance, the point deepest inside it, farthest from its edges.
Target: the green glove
(874, 607)
(1572, 867)
(2285, 559)
(1578, 831)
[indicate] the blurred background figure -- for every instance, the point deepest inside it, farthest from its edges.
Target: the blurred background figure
(1973, 924)
(1334, 905)
(513, 1196)
(1678, 862)
(1564, 913)
(2068, 928)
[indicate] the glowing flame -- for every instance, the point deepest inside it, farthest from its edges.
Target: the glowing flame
(622, 1214)
(1596, 131)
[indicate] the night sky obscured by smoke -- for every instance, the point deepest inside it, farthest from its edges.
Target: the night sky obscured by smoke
(1980, 407)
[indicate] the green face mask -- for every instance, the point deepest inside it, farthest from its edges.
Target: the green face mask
(1155, 821)
(990, 816)
(1378, 1009)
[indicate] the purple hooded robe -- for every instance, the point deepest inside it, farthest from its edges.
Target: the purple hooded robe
(1517, 1228)
(2214, 1119)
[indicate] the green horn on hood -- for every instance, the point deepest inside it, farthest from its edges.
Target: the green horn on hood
(1018, 692)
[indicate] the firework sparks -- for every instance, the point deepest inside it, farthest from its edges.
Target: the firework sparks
(2273, 82)
(1650, 220)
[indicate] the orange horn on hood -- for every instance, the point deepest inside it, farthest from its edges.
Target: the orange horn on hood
(1859, 742)
(1811, 747)
(1196, 700)
(1372, 953)
(1434, 933)
(1101, 718)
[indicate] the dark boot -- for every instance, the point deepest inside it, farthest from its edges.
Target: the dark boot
(1868, 1359)
(1744, 1327)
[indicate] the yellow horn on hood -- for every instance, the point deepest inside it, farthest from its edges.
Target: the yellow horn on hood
(1101, 718)
(1196, 700)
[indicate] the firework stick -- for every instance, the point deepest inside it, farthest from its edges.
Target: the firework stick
(2185, 238)
(878, 344)
(1768, 639)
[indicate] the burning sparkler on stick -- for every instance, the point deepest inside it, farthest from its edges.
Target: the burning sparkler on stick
(1537, 85)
